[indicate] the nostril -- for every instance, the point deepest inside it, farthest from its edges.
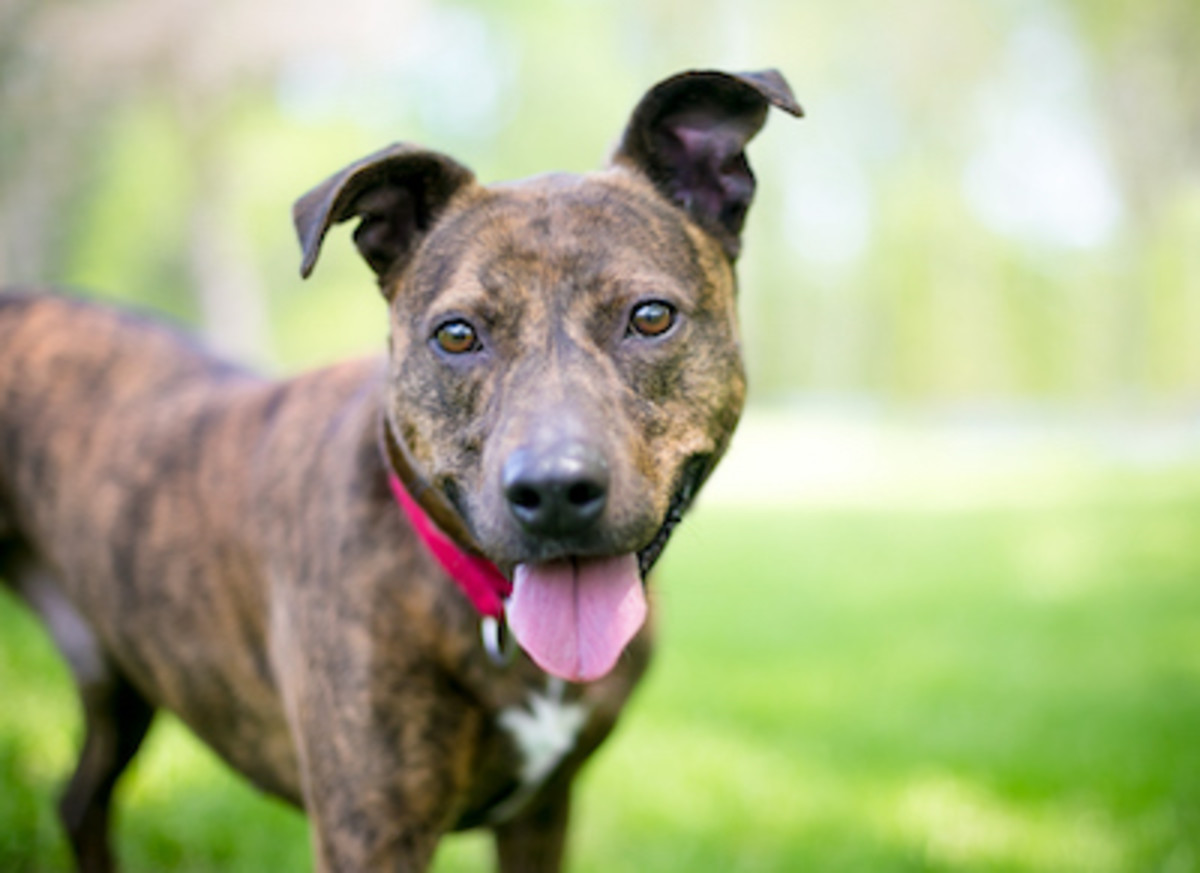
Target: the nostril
(524, 497)
(581, 494)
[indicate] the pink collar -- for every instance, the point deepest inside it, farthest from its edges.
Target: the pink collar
(476, 576)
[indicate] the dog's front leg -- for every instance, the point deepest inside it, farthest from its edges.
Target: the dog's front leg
(534, 841)
(382, 777)
(384, 749)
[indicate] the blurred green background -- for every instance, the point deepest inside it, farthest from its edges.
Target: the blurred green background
(940, 609)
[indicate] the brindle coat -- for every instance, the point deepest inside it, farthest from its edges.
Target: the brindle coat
(224, 546)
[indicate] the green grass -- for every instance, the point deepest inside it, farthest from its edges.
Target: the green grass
(1012, 689)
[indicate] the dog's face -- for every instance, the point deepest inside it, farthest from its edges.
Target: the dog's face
(564, 333)
(565, 367)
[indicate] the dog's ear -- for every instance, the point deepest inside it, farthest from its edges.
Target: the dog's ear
(398, 193)
(688, 135)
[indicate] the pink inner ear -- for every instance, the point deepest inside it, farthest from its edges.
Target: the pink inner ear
(703, 138)
(711, 178)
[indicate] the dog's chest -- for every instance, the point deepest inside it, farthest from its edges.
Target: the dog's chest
(544, 730)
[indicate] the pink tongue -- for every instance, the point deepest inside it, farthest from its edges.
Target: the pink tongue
(575, 617)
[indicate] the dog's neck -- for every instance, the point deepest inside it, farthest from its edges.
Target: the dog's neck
(442, 532)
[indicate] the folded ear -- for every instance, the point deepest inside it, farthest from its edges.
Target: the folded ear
(688, 135)
(398, 193)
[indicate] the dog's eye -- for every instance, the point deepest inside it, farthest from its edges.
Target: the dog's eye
(652, 318)
(456, 337)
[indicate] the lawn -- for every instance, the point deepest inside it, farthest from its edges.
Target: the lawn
(1007, 687)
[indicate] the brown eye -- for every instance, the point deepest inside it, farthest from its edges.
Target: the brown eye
(653, 318)
(456, 337)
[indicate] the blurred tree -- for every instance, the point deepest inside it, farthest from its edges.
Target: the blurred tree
(1149, 68)
(70, 68)
(988, 203)
(42, 142)
(1148, 55)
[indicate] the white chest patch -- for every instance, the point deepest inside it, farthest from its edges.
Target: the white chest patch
(544, 733)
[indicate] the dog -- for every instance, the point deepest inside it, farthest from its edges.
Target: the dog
(406, 595)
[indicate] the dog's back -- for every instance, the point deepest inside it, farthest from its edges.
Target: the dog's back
(150, 453)
(65, 367)
(68, 369)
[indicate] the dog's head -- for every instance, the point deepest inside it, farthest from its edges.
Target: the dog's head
(565, 366)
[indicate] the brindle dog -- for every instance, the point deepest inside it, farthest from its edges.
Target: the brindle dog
(564, 372)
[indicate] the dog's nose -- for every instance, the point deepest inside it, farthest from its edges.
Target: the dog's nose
(556, 492)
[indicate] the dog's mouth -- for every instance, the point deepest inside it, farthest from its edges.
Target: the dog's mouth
(572, 614)
(575, 616)
(691, 477)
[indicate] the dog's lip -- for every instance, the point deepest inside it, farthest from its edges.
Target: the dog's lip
(510, 550)
(691, 477)
(552, 552)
